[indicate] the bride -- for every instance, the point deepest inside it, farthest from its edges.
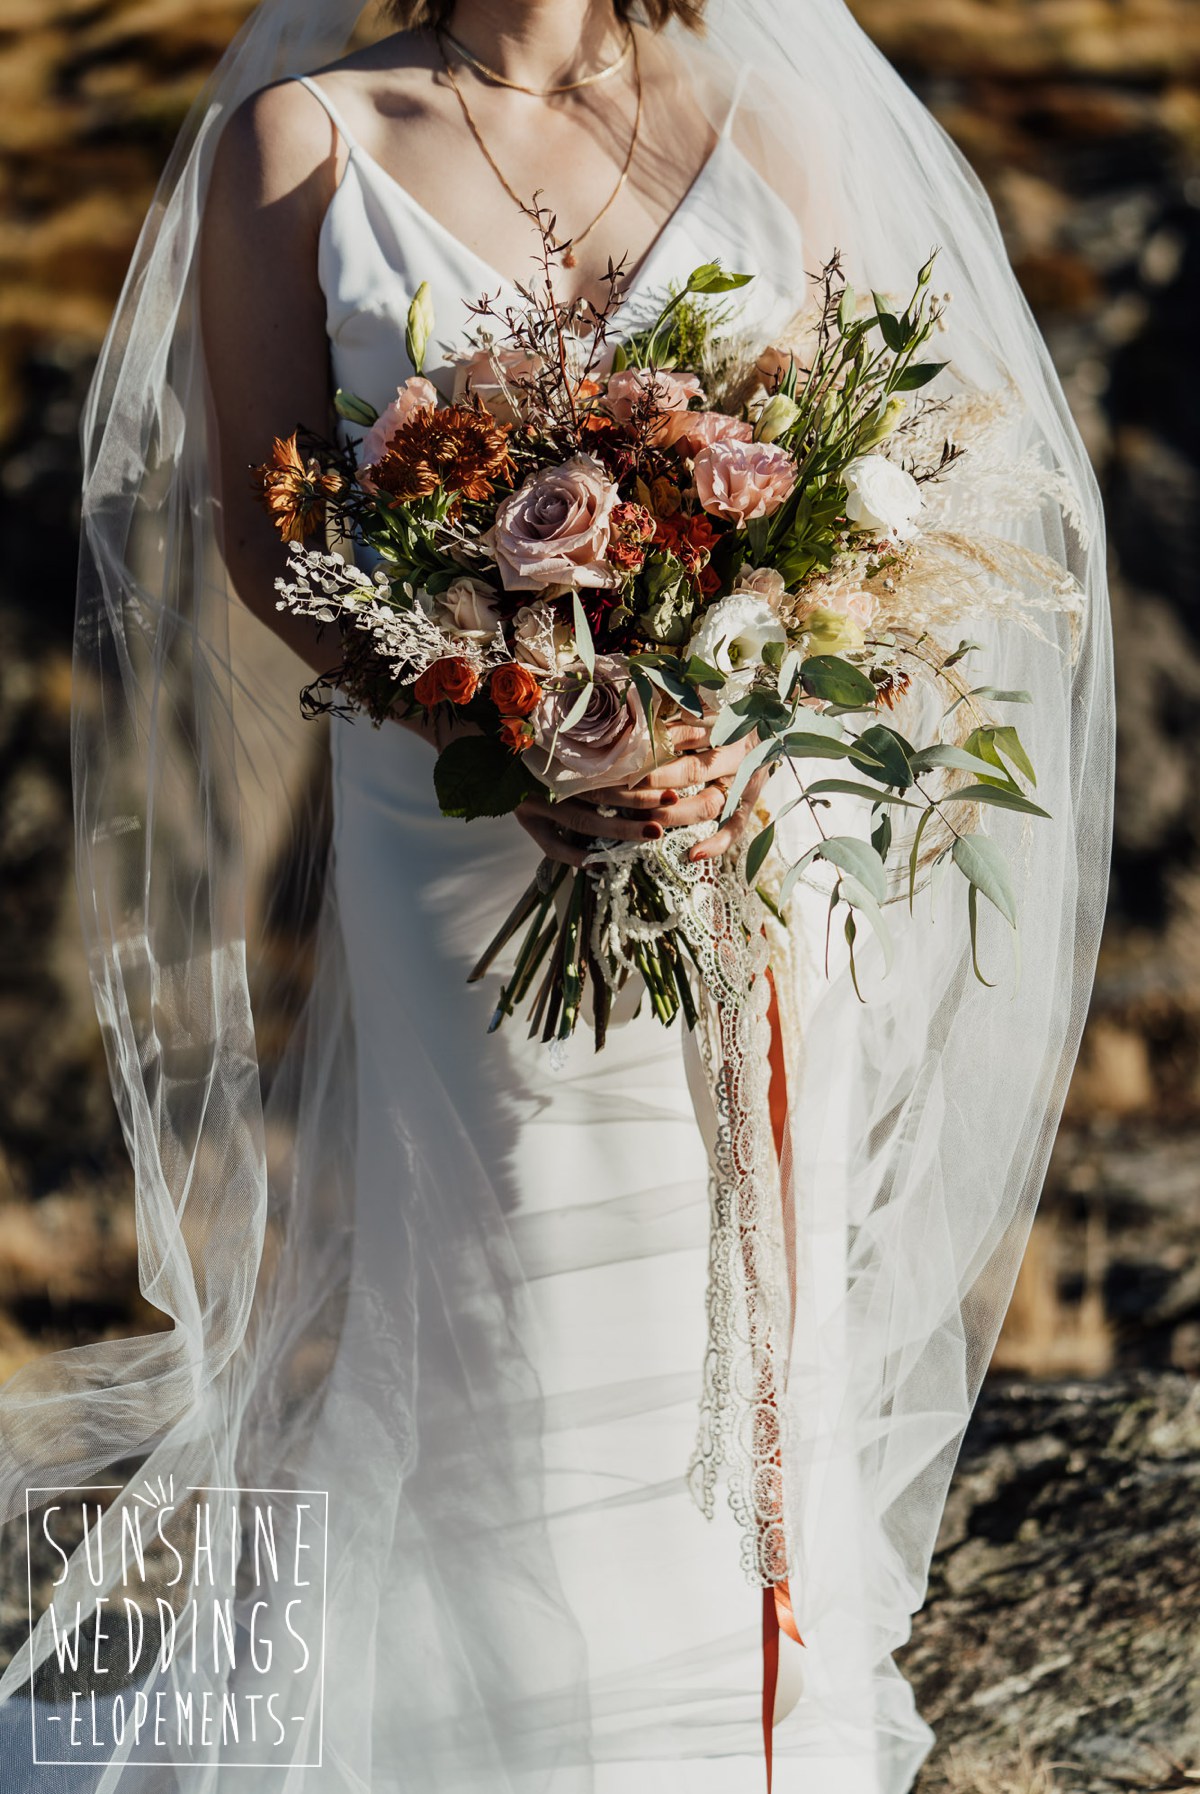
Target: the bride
(433, 1291)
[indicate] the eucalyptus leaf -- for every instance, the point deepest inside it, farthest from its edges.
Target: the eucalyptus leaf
(861, 899)
(914, 856)
(731, 725)
(1010, 745)
(891, 753)
(748, 766)
(973, 918)
(859, 858)
(794, 873)
(578, 708)
(699, 672)
(981, 862)
(758, 850)
(852, 788)
(1004, 797)
(944, 754)
(837, 681)
(583, 636)
(674, 687)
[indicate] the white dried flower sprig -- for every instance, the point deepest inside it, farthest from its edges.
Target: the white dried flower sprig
(329, 589)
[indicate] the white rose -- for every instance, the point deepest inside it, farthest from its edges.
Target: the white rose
(731, 637)
(540, 641)
(881, 497)
(467, 607)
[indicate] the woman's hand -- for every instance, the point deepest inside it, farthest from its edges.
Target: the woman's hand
(654, 804)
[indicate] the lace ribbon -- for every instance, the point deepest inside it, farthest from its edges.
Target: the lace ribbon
(750, 1292)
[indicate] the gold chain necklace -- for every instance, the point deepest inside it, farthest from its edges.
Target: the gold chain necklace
(569, 257)
(541, 93)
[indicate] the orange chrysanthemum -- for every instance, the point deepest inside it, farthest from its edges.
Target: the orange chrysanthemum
(453, 449)
(293, 489)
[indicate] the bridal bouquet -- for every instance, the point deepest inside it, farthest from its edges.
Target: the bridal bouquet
(593, 537)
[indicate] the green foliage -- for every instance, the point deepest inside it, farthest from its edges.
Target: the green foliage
(476, 775)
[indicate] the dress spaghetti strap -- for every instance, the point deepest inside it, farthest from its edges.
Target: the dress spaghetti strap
(335, 116)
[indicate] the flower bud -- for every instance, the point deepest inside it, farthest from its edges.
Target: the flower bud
(354, 409)
(884, 424)
(420, 325)
(832, 632)
(776, 418)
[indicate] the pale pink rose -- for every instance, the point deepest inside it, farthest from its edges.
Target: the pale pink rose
(609, 745)
(743, 480)
(417, 394)
(495, 378)
(765, 582)
(467, 608)
(662, 390)
(554, 530)
(690, 431)
(862, 606)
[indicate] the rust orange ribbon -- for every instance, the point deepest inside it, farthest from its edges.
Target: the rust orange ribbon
(777, 1613)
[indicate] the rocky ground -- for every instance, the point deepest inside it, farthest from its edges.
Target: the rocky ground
(1057, 1654)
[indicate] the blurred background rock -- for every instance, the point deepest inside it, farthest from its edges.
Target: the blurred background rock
(1059, 1650)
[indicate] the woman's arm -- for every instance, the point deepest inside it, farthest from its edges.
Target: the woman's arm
(263, 326)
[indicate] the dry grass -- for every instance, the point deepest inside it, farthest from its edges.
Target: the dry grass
(966, 1772)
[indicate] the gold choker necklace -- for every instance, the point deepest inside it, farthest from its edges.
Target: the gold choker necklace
(540, 93)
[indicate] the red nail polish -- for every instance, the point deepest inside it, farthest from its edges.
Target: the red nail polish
(669, 797)
(652, 831)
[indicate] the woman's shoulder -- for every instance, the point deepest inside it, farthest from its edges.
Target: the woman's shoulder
(276, 138)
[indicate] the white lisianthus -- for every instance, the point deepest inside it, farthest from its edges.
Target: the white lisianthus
(731, 638)
(881, 497)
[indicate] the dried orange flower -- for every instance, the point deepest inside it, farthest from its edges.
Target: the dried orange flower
(454, 448)
(292, 489)
(892, 686)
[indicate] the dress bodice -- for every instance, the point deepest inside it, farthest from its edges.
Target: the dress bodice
(378, 243)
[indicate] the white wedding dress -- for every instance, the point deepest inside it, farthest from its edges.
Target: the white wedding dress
(527, 1310)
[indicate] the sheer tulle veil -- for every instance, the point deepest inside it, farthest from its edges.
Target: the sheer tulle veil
(921, 1119)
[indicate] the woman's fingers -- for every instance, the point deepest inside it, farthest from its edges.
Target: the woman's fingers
(703, 806)
(585, 819)
(553, 844)
(731, 832)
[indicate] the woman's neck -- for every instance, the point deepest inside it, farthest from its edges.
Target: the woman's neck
(538, 42)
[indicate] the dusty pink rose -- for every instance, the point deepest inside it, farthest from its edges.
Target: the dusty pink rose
(609, 745)
(554, 530)
(417, 394)
(742, 480)
(635, 388)
(690, 431)
(494, 377)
